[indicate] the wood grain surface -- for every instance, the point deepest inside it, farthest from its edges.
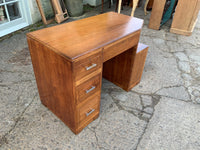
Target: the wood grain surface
(125, 70)
(77, 38)
(54, 82)
(156, 14)
(185, 17)
(138, 65)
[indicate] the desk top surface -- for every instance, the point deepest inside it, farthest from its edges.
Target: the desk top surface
(77, 38)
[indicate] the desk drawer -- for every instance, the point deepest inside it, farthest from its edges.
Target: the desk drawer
(88, 88)
(89, 109)
(120, 46)
(87, 66)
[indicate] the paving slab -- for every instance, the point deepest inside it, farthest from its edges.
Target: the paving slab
(158, 73)
(146, 100)
(127, 100)
(120, 130)
(194, 91)
(14, 99)
(175, 125)
(181, 56)
(184, 66)
(38, 128)
(179, 92)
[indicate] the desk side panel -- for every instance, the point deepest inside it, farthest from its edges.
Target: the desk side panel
(138, 66)
(54, 81)
(118, 69)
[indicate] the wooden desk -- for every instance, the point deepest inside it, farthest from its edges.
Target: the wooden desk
(68, 60)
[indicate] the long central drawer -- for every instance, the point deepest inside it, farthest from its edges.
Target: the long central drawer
(120, 46)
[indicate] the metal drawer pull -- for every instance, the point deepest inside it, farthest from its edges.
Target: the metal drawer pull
(87, 114)
(91, 89)
(90, 67)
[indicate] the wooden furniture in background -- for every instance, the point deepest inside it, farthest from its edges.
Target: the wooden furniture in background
(68, 61)
(59, 8)
(145, 7)
(150, 5)
(135, 3)
(156, 14)
(61, 13)
(119, 6)
(44, 20)
(185, 17)
(124, 2)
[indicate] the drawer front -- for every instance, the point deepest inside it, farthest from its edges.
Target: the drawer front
(120, 46)
(88, 88)
(89, 109)
(87, 66)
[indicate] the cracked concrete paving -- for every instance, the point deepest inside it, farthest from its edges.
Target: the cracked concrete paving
(162, 112)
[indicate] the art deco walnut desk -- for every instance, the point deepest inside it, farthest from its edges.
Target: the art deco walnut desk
(70, 59)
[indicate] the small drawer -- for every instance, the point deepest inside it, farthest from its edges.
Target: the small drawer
(120, 46)
(89, 109)
(88, 88)
(87, 66)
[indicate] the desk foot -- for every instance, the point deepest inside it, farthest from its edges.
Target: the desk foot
(82, 126)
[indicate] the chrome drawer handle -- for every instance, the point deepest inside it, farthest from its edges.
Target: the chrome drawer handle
(87, 114)
(90, 67)
(91, 89)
